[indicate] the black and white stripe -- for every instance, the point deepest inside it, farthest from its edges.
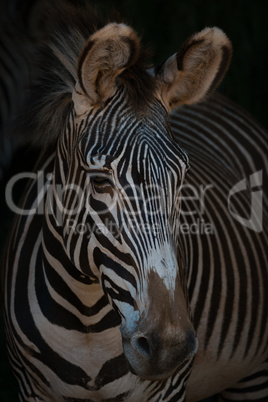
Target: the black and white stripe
(80, 268)
(50, 281)
(229, 267)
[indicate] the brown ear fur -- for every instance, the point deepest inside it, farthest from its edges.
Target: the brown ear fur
(196, 70)
(106, 54)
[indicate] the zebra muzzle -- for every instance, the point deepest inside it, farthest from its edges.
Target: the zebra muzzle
(155, 356)
(163, 338)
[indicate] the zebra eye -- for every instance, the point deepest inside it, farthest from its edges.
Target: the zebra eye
(101, 181)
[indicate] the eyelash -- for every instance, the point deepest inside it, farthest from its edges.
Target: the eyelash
(100, 178)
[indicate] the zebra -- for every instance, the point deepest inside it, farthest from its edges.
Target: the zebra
(106, 295)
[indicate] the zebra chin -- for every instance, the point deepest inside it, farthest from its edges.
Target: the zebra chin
(157, 357)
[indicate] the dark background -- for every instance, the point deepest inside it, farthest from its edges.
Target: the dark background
(164, 25)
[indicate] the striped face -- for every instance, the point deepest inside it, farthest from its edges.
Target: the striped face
(130, 176)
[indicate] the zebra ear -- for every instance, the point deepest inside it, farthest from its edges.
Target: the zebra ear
(196, 70)
(106, 54)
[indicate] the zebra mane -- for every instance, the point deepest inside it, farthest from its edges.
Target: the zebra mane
(49, 98)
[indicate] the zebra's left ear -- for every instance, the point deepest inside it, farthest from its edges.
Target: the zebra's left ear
(196, 70)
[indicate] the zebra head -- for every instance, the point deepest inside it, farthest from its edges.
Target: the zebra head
(130, 172)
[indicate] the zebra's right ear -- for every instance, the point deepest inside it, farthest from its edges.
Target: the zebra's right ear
(190, 75)
(106, 54)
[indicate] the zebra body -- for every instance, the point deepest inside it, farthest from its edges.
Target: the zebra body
(91, 311)
(232, 254)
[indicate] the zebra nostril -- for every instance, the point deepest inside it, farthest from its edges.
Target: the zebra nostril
(141, 344)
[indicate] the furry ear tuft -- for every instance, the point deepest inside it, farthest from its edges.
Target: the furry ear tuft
(106, 54)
